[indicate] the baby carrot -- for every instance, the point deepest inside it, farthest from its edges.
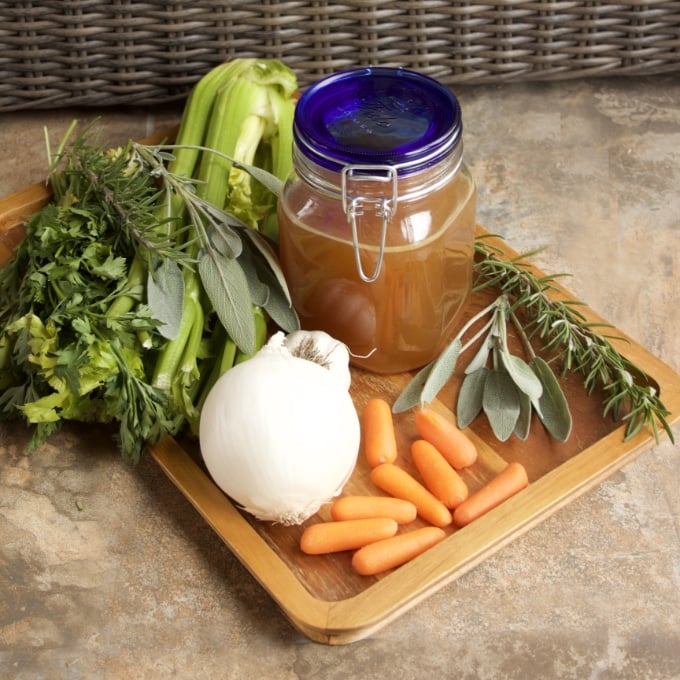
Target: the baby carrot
(395, 551)
(401, 484)
(439, 477)
(361, 507)
(509, 481)
(380, 443)
(449, 440)
(328, 537)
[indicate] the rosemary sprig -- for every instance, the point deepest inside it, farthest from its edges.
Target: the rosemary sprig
(574, 341)
(510, 389)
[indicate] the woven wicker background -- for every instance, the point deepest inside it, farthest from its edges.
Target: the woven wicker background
(87, 52)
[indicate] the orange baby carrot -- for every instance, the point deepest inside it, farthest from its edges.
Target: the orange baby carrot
(401, 484)
(363, 507)
(395, 551)
(449, 440)
(380, 442)
(509, 481)
(328, 537)
(439, 477)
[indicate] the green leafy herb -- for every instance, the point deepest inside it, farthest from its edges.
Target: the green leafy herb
(501, 403)
(552, 404)
(573, 342)
(523, 424)
(66, 355)
(165, 292)
(511, 389)
(507, 393)
(146, 277)
(471, 396)
(232, 281)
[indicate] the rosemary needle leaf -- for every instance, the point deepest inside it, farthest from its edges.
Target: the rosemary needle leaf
(501, 403)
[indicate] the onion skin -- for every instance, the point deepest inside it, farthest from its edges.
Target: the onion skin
(278, 436)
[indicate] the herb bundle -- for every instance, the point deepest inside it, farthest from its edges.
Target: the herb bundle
(66, 353)
(508, 390)
(137, 286)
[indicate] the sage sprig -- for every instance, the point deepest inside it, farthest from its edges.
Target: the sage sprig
(508, 391)
(236, 264)
(505, 391)
(579, 345)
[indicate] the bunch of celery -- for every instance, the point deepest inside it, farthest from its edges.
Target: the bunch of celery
(232, 153)
(148, 275)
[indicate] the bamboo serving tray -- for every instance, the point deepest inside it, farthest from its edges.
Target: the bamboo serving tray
(321, 595)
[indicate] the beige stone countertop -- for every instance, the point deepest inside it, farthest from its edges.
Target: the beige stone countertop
(106, 571)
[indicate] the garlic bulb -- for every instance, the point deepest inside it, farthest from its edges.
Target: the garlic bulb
(321, 348)
(279, 434)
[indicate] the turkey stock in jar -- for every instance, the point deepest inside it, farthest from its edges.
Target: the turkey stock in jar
(376, 224)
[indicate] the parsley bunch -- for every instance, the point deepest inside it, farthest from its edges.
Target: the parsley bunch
(64, 351)
(148, 276)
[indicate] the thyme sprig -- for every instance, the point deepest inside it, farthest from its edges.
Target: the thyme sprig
(577, 344)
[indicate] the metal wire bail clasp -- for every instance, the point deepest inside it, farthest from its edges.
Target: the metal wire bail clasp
(384, 206)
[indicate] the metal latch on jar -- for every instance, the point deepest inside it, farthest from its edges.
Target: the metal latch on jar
(384, 206)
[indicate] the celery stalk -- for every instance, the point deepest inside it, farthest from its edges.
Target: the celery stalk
(242, 110)
(235, 103)
(196, 118)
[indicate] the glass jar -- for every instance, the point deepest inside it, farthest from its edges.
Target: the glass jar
(376, 225)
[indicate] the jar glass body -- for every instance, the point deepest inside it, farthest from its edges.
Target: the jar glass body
(376, 225)
(404, 318)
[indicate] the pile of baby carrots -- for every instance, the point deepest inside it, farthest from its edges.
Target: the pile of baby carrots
(370, 525)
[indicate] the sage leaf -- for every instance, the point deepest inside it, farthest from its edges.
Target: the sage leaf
(267, 179)
(471, 396)
(523, 424)
(165, 296)
(411, 394)
(278, 303)
(227, 288)
(267, 252)
(223, 237)
(501, 403)
(522, 375)
(442, 370)
(552, 406)
(482, 356)
(259, 292)
(279, 309)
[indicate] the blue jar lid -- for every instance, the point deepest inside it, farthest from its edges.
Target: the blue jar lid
(377, 116)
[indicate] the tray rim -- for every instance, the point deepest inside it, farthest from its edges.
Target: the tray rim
(347, 620)
(344, 621)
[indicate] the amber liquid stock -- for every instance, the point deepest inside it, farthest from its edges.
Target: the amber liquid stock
(406, 317)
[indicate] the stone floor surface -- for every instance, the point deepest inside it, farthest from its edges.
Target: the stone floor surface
(107, 572)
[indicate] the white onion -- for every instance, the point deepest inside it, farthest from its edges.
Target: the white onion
(279, 434)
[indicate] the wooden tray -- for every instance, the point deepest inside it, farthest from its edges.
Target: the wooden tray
(321, 595)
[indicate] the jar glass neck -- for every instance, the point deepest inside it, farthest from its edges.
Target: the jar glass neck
(409, 186)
